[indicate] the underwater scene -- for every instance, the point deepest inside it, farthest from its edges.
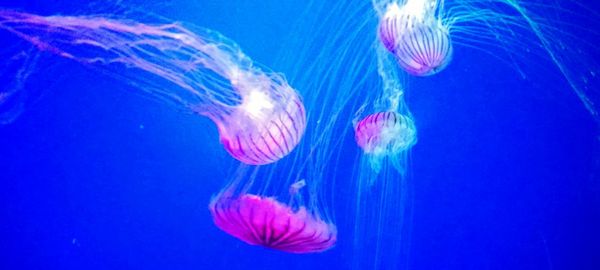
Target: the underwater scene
(320, 134)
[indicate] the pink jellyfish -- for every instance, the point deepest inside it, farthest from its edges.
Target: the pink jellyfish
(419, 41)
(261, 131)
(260, 118)
(381, 197)
(264, 221)
(385, 134)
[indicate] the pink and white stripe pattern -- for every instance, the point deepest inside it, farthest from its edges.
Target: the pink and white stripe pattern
(266, 222)
(266, 140)
(421, 47)
(385, 132)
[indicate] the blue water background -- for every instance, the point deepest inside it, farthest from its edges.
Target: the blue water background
(95, 176)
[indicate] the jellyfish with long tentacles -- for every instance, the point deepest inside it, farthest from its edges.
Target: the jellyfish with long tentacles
(260, 118)
(385, 138)
(419, 36)
(422, 35)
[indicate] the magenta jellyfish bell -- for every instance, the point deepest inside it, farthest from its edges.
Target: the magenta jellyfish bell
(268, 122)
(385, 134)
(264, 221)
(419, 41)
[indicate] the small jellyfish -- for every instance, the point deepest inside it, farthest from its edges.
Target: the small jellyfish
(264, 221)
(385, 134)
(419, 41)
(260, 118)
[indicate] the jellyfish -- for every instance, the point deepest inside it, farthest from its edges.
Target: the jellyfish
(385, 134)
(385, 139)
(416, 37)
(422, 34)
(257, 211)
(259, 117)
(264, 221)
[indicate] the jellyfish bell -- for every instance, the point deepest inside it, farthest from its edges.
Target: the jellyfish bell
(266, 125)
(264, 221)
(264, 207)
(242, 210)
(385, 134)
(260, 118)
(419, 41)
(385, 131)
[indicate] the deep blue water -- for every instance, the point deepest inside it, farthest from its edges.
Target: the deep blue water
(506, 173)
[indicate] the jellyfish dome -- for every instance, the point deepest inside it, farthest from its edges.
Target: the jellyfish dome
(419, 41)
(260, 118)
(386, 135)
(266, 222)
(385, 132)
(266, 125)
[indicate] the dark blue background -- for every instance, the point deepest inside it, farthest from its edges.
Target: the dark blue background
(505, 173)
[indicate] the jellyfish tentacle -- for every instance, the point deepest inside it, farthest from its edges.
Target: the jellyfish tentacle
(197, 69)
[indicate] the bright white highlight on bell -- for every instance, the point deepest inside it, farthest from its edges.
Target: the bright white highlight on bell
(257, 104)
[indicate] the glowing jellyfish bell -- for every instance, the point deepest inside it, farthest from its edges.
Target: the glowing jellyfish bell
(419, 40)
(260, 118)
(268, 122)
(385, 134)
(264, 221)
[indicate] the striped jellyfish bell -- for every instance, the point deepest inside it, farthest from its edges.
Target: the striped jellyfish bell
(385, 133)
(264, 221)
(267, 124)
(420, 43)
